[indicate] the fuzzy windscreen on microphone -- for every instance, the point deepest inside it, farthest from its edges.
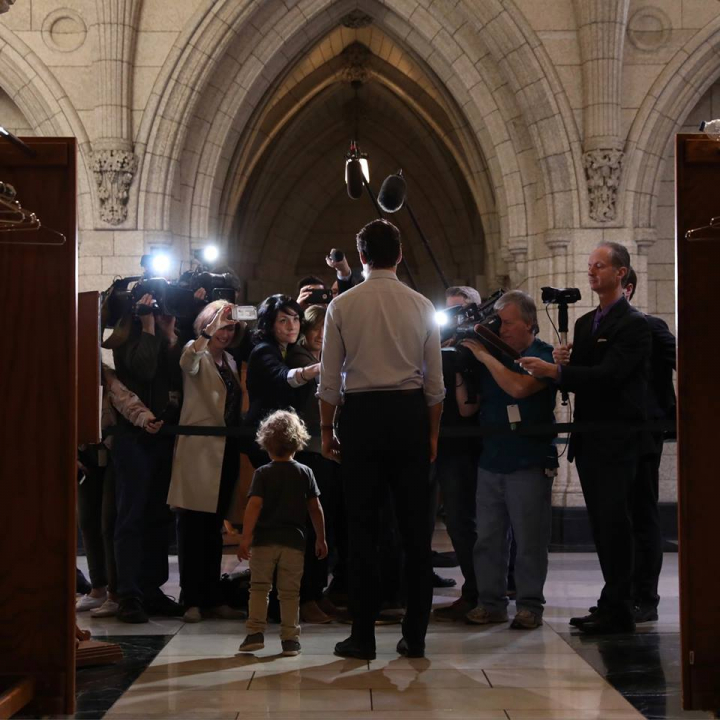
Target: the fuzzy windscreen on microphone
(392, 193)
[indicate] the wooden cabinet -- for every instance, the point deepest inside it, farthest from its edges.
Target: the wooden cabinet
(698, 264)
(38, 385)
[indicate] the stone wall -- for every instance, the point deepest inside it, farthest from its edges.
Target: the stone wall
(528, 131)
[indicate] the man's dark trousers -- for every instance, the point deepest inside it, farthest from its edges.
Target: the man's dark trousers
(142, 477)
(384, 439)
(646, 528)
(607, 488)
(456, 471)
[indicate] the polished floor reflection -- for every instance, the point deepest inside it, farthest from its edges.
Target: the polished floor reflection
(470, 672)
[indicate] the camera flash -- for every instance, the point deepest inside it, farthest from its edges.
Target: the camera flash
(160, 263)
(441, 318)
(211, 253)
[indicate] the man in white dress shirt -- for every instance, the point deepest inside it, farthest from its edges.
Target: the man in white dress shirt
(381, 394)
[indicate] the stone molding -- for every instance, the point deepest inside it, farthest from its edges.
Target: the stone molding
(117, 29)
(114, 171)
(603, 168)
(601, 35)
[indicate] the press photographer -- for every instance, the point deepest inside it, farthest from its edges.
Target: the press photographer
(515, 476)
(146, 357)
(606, 367)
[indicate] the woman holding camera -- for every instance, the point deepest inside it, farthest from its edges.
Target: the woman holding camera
(271, 384)
(206, 468)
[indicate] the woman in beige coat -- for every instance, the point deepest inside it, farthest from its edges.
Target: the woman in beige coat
(205, 469)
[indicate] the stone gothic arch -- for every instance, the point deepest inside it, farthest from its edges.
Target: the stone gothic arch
(46, 106)
(693, 69)
(232, 53)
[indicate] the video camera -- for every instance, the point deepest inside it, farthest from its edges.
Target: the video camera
(169, 298)
(458, 323)
(560, 296)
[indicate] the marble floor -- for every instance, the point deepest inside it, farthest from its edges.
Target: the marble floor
(177, 670)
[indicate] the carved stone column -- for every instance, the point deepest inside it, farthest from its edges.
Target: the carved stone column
(114, 164)
(559, 244)
(601, 35)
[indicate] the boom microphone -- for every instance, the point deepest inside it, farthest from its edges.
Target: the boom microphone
(355, 180)
(392, 193)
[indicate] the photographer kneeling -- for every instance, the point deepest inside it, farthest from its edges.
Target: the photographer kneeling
(205, 469)
(515, 476)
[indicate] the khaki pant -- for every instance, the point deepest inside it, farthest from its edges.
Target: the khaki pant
(289, 562)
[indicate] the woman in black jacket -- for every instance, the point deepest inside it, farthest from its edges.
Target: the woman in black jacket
(270, 382)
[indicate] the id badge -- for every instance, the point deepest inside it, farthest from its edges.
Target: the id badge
(513, 412)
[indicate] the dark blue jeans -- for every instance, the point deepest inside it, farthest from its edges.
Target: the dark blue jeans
(142, 478)
(456, 472)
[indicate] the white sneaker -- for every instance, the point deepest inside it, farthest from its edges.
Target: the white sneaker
(108, 609)
(192, 615)
(86, 602)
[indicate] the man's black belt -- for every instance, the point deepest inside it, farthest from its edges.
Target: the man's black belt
(383, 393)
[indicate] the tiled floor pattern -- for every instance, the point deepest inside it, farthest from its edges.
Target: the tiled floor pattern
(470, 672)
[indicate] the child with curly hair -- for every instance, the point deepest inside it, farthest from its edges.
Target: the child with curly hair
(281, 495)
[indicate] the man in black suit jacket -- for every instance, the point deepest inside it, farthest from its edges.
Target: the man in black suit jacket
(660, 405)
(607, 370)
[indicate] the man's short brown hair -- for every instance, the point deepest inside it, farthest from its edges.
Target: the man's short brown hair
(379, 242)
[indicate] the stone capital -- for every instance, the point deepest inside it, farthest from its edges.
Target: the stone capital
(603, 168)
(114, 170)
(558, 241)
(645, 238)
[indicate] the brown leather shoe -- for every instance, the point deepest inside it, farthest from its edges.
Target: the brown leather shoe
(311, 614)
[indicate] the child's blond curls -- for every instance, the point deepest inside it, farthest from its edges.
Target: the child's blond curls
(282, 433)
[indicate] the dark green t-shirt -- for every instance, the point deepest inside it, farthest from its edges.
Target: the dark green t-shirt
(285, 488)
(508, 453)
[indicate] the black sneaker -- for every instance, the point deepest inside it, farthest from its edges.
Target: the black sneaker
(253, 642)
(131, 611)
(290, 648)
(163, 605)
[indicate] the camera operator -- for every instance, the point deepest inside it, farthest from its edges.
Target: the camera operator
(147, 364)
(645, 515)
(606, 367)
(337, 260)
(456, 473)
(270, 382)
(515, 476)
